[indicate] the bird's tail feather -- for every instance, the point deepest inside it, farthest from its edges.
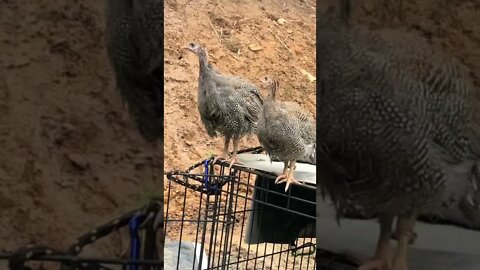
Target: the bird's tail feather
(310, 155)
(460, 199)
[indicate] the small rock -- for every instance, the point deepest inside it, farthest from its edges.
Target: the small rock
(289, 31)
(281, 21)
(189, 143)
(309, 76)
(255, 47)
(78, 160)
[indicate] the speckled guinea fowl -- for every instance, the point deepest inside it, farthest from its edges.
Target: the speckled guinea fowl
(286, 131)
(228, 105)
(134, 41)
(397, 134)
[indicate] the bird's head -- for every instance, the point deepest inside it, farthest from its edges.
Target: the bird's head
(270, 83)
(266, 81)
(197, 49)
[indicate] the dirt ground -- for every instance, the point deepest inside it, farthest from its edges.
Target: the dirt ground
(72, 158)
(227, 30)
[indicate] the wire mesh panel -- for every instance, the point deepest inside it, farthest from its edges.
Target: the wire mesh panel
(145, 246)
(221, 218)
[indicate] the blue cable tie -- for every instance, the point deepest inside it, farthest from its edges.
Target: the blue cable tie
(134, 241)
(207, 184)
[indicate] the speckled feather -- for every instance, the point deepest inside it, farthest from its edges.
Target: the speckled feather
(397, 131)
(134, 41)
(286, 130)
(228, 105)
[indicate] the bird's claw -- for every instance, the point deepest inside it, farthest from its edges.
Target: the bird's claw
(234, 160)
(281, 176)
(220, 157)
(289, 182)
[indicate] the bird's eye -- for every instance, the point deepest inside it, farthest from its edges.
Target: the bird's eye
(191, 44)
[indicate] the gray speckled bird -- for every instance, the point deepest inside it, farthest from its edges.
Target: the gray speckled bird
(134, 41)
(228, 105)
(397, 133)
(286, 131)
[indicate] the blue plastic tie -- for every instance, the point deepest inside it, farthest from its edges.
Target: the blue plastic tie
(207, 184)
(134, 241)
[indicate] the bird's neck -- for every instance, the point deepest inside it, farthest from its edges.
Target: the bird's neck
(205, 78)
(204, 68)
(202, 60)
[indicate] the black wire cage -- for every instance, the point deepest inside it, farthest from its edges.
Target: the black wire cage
(146, 246)
(211, 217)
(238, 218)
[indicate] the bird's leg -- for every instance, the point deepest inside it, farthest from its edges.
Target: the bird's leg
(383, 254)
(412, 238)
(404, 228)
(234, 159)
(290, 180)
(284, 174)
(224, 154)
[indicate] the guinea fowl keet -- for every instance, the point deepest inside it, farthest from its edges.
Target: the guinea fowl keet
(286, 131)
(397, 133)
(228, 105)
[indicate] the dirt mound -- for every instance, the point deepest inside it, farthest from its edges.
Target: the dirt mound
(71, 158)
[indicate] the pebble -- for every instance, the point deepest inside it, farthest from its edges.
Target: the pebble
(255, 47)
(78, 160)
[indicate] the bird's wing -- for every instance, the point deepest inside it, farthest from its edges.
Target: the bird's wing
(243, 93)
(375, 147)
(210, 118)
(301, 117)
(138, 84)
(213, 108)
(148, 15)
(280, 133)
(252, 102)
(443, 88)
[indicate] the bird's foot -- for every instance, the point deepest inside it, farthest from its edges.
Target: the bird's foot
(234, 160)
(280, 177)
(289, 180)
(219, 157)
(374, 264)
